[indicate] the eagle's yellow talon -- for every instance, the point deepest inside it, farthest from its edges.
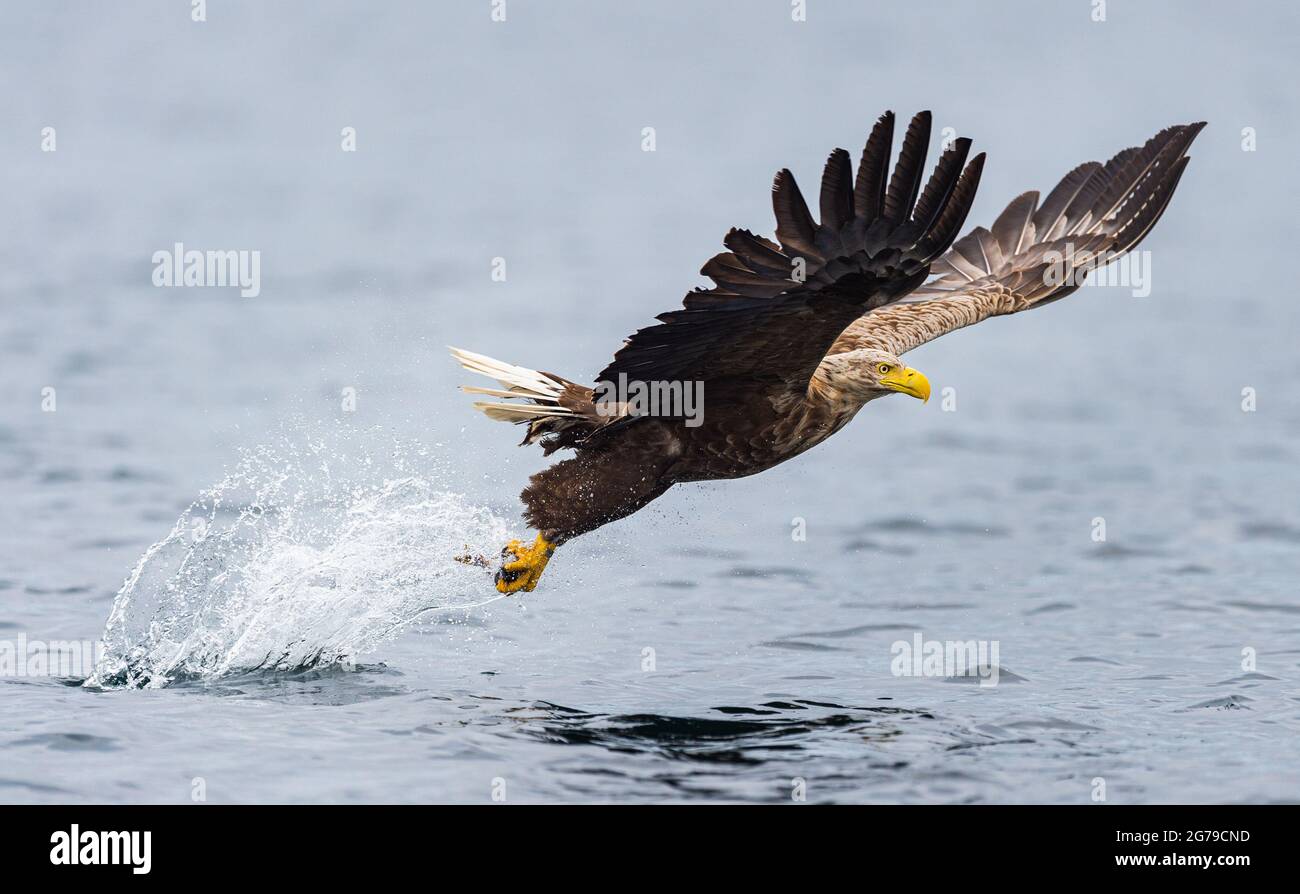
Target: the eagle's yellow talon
(527, 566)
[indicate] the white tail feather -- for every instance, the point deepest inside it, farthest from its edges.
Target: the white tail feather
(538, 394)
(529, 381)
(493, 392)
(518, 412)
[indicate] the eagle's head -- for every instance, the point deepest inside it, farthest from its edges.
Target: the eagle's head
(865, 374)
(883, 372)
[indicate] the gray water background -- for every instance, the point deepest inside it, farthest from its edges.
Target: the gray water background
(523, 140)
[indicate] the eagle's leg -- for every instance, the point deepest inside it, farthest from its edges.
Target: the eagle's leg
(522, 566)
(576, 496)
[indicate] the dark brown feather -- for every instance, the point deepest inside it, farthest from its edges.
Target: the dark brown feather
(942, 182)
(795, 229)
(950, 220)
(837, 192)
(1050, 217)
(1011, 228)
(776, 308)
(873, 170)
(908, 171)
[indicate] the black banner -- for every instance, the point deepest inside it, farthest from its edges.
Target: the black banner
(302, 844)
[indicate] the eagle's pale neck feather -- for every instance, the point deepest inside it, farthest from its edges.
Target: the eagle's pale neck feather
(843, 383)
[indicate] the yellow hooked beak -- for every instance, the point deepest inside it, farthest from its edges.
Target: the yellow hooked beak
(907, 381)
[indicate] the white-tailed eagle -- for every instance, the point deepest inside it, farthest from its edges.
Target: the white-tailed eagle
(798, 334)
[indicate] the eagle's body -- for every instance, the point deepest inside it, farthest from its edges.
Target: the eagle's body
(798, 334)
(635, 464)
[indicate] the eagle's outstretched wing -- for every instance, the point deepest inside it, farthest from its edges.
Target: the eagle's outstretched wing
(1035, 254)
(776, 308)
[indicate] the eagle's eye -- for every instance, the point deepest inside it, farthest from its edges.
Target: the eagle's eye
(884, 368)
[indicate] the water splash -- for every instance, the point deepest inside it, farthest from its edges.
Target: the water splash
(300, 557)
